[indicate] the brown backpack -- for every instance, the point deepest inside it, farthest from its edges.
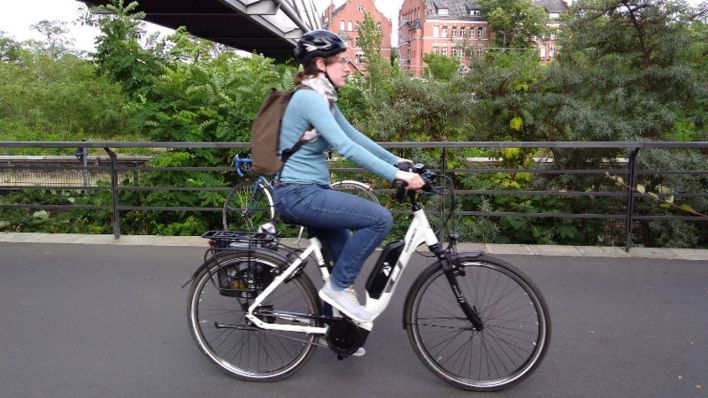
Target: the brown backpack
(265, 134)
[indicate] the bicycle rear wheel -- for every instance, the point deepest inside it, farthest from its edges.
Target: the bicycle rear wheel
(356, 188)
(218, 300)
(516, 333)
(248, 205)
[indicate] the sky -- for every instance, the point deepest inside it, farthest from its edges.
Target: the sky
(16, 17)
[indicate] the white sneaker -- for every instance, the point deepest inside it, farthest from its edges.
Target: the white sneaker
(345, 301)
(359, 352)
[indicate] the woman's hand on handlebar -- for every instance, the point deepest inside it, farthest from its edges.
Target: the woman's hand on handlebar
(413, 181)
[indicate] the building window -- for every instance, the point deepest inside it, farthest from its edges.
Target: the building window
(444, 31)
(553, 15)
(356, 41)
(443, 49)
(552, 52)
(475, 13)
(454, 31)
(462, 32)
(361, 8)
(341, 26)
(436, 31)
(480, 33)
(443, 11)
(542, 52)
(435, 49)
(360, 58)
(349, 26)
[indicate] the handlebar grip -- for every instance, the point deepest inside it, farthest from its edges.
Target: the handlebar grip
(405, 166)
(400, 194)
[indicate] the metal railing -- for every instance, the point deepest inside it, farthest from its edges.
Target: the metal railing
(116, 166)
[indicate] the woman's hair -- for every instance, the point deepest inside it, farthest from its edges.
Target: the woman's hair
(310, 70)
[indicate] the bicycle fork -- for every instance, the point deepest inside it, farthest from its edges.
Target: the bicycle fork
(449, 268)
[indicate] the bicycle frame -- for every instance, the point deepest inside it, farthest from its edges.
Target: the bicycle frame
(419, 232)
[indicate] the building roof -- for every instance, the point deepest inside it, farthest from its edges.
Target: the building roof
(454, 7)
(339, 9)
(557, 6)
(462, 8)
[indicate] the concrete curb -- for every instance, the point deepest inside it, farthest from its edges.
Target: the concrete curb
(529, 250)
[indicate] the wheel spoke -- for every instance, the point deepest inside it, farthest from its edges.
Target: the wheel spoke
(515, 332)
(238, 346)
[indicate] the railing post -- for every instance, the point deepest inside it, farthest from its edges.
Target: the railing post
(630, 200)
(114, 191)
(82, 155)
(443, 167)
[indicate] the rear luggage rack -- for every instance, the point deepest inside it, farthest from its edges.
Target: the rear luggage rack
(224, 240)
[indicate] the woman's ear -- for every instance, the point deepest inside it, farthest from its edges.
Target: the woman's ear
(320, 64)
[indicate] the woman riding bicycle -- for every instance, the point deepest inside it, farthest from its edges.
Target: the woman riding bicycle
(303, 195)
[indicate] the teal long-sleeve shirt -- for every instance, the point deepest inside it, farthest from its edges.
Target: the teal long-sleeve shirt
(309, 164)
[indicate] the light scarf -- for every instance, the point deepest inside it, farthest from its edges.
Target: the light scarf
(324, 87)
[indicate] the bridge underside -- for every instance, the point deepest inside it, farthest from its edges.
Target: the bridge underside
(266, 27)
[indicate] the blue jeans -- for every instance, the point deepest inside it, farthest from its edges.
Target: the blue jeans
(330, 215)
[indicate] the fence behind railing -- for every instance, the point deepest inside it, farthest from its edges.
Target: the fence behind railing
(84, 172)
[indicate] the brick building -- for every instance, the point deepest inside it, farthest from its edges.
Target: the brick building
(455, 28)
(345, 19)
(547, 48)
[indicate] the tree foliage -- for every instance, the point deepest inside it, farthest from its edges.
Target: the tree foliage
(627, 70)
(516, 22)
(119, 54)
(440, 67)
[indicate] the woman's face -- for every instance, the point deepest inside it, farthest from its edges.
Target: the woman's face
(337, 71)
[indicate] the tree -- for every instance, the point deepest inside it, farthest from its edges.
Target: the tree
(119, 55)
(10, 50)
(625, 71)
(516, 22)
(440, 67)
(369, 37)
(55, 41)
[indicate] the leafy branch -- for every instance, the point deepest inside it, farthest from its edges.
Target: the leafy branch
(664, 197)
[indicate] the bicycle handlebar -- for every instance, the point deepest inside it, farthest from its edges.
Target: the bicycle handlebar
(242, 164)
(426, 174)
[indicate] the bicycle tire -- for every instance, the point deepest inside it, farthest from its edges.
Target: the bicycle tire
(216, 314)
(248, 205)
(517, 324)
(356, 188)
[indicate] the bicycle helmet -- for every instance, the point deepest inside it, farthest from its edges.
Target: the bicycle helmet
(318, 43)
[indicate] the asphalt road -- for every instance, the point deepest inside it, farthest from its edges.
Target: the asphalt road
(109, 321)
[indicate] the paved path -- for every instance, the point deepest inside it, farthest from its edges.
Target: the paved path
(79, 320)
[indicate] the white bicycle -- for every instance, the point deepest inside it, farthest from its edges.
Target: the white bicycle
(475, 321)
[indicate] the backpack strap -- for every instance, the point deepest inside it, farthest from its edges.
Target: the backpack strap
(287, 153)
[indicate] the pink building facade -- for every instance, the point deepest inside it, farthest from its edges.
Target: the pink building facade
(345, 19)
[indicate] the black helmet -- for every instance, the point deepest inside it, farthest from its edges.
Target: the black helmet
(318, 43)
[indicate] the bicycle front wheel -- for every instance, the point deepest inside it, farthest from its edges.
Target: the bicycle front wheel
(516, 324)
(219, 298)
(248, 205)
